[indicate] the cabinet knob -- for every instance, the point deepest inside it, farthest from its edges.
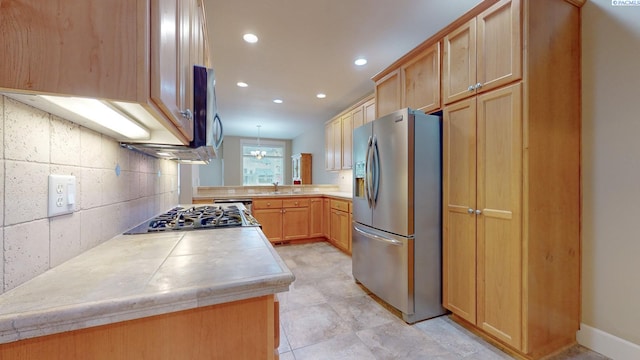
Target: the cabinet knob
(471, 88)
(268, 204)
(470, 210)
(478, 212)
(478, 86)
(296, 203)
(284, 211)
(187, 114)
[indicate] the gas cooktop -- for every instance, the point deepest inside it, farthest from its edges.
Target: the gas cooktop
(198, 217)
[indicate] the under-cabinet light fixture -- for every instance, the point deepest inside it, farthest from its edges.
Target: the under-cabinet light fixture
(98, 112)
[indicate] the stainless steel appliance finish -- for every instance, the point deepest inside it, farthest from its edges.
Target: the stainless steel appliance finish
(197, 217)
(208, 132)
(396, 232)
(246, 202)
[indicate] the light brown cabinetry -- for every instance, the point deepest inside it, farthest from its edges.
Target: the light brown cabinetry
(346, 122)
(316, 226)
(133, 54)
(269, 214)
(511, 179)
(339, 134)
(340, 235)
(369, 110)
(421, 80)
(482, 221)
(388, 93)
(484, 53)
(301, 168)
(413, 81)
(326, 218)
(333, 144)
(243, 330)
(283, 219)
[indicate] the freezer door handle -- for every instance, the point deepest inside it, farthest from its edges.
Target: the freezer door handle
(368, 173)
(376, 170)
(377, 237)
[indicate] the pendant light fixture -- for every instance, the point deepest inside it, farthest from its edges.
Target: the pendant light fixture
(258, 154)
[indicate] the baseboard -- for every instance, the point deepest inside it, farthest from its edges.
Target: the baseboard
(606, 344)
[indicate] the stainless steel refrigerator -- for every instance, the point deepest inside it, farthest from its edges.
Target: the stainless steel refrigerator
(396, 233)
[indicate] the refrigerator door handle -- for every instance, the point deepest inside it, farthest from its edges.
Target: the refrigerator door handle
(368, 173)
(377, 237)
(376, 171)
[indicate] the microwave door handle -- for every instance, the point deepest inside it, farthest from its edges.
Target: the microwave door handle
(368, 173)
(218, 141)
(376, 170)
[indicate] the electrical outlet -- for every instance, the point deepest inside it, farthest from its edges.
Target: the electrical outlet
(62, 194)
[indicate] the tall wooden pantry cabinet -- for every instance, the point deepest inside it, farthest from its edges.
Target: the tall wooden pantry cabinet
(511, 174)
(510, 96)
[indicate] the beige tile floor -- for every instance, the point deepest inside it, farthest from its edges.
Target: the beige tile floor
(325, 315)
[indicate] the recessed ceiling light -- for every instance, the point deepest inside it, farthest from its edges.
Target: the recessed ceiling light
(360, 61)
(278, 101)
(250, 38)
(242, 84)
(321, 96)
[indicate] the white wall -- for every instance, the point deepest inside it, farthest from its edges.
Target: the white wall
(34, 144)
(611, 171)
(313, 142)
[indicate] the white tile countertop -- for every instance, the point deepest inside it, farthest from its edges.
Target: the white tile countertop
(135, 276)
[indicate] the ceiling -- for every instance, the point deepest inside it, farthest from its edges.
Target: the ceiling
(308, 47)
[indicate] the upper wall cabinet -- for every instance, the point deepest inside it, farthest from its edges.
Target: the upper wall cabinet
(414, 82)
(135, 55)
(339, 134)
(388, 93)
(484, 53)
(421, 80)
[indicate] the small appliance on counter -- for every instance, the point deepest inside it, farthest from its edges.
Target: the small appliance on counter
(396, 249)
(197, 217)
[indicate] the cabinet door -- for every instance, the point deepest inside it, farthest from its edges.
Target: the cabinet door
(329, 155)
(421, 81)
(499, 48)
(315, 217)
(459, 63)
(369, 110)
(459, 203)
(271, 221)
(357, 116)
(339, 229)
(337, 144)
(346, 123)
(499, 198)
(169, 60)
(326, 218)
(388, 96)
(295, 223)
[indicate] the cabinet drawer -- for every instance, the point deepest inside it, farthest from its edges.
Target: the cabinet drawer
(289, 203)
(340, 205)
(267, 204)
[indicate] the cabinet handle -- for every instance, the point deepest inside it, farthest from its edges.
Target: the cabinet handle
(470, 211)
(268, 204)
(478, 212)
(284, 211)
(471, 88)
(296, 203)
(187, 114)
(478, 86)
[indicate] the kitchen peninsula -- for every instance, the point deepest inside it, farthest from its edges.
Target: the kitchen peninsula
(193, 295)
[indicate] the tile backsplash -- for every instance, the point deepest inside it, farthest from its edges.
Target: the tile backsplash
(34, 144)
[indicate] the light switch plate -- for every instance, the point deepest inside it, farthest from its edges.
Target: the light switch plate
(62, 194)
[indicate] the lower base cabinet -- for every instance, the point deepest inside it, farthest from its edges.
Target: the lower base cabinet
(240, 330)
(340, 224)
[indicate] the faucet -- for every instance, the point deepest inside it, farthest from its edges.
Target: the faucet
(275, 184)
